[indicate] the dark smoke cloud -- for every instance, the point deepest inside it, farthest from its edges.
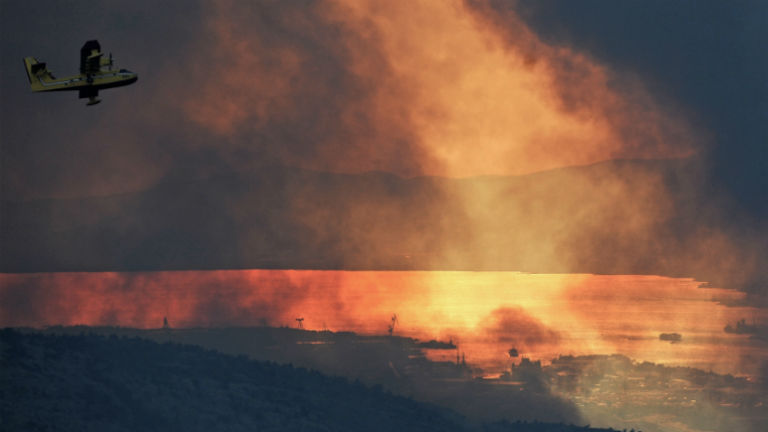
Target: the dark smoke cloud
(229, 88)
(50, 148)
(232, 85)
(647, 124)
(698, 59)
(222, 86)
(515, 327)
(705, 56)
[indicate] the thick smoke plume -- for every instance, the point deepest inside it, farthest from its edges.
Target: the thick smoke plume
(416, 89)
(461, 89)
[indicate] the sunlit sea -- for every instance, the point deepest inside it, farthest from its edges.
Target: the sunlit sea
(485, 314)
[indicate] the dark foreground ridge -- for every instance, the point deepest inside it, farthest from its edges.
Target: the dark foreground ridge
(92, 382)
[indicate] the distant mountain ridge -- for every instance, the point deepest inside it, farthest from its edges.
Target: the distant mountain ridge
(576, 219)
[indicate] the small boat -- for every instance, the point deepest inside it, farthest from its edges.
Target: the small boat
(671, 337)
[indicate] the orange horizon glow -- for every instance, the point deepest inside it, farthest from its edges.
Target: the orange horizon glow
(485, 313)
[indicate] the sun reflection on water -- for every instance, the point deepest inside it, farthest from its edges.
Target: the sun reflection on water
(484, 313)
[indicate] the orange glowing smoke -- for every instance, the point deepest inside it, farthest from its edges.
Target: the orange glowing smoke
(446, 88)
(454, 89)
(486, 313)
(479, 106)
(431, 80)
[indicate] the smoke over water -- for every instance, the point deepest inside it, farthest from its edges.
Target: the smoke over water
(451, 89)
(428, 88)
(424, 88)
(485, 313)
(461, 89)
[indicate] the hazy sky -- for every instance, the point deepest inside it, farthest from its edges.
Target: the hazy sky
(704, 55)
(353, 86)
(455, 89)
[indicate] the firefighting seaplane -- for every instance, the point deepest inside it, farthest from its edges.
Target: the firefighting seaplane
(96, 73)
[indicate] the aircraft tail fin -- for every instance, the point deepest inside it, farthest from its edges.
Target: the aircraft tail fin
(35, 71)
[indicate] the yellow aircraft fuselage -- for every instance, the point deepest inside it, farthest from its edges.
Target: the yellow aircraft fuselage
(96, 73)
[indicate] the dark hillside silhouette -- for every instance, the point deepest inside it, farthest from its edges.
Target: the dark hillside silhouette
(395, 363)
(91, 382)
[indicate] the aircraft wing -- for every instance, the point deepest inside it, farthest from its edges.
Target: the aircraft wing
(90, 57)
